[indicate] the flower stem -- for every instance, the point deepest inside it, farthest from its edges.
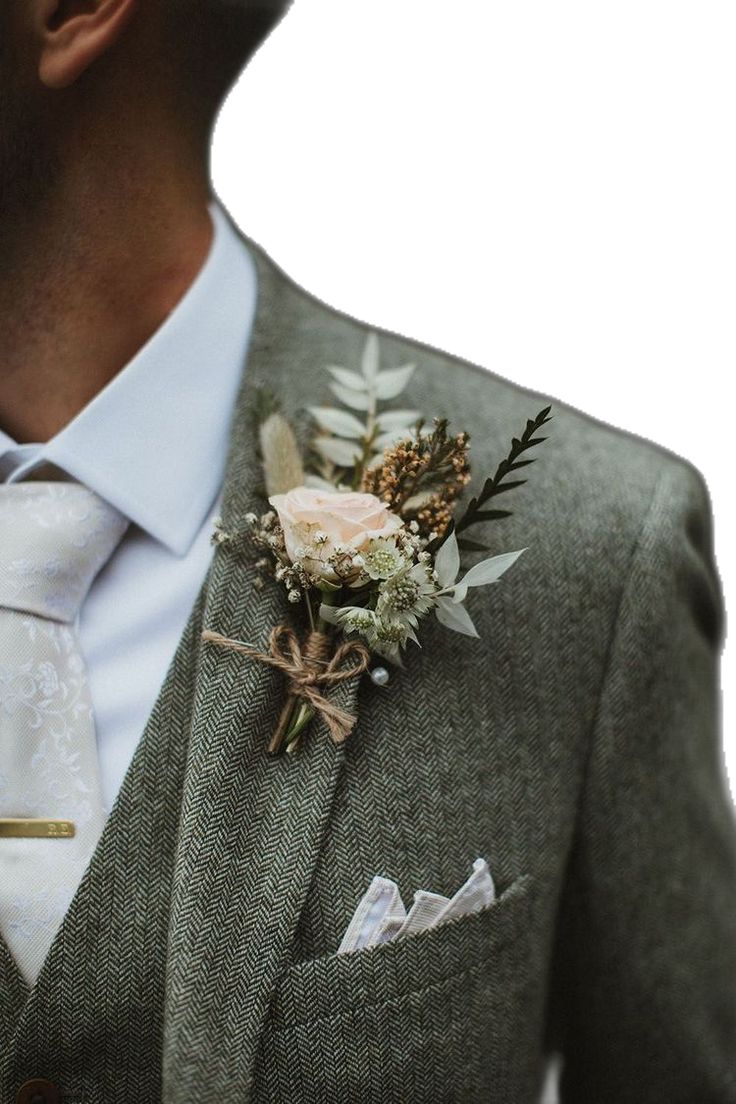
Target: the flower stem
(367, 440)
(310, 611)
(303, 717)
(305, 712)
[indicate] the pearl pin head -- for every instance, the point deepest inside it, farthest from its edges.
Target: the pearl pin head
(380, 676)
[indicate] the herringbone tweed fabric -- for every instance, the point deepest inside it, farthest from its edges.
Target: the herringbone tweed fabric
(575, 746)
(93, 1021)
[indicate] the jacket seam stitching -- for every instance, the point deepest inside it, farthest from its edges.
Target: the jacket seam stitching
(611, 646)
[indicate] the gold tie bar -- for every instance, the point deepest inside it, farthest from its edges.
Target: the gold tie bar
(36, 828)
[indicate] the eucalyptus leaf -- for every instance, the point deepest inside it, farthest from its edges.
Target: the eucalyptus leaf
(486, 572)
(370, 362)
(490, 570)
(455, 617)
(392, 382)
(358, 400)
(328, 613)
(342, 453)
(347, 377)
(337, 421)
(447, 562)
(397, 419)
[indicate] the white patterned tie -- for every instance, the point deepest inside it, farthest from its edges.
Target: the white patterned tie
(54, 538)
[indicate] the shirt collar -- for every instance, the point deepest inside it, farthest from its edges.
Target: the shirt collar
(153, 443)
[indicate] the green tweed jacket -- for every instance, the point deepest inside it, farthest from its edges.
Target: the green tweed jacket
(575, 746)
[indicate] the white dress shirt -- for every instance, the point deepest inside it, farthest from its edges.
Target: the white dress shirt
(153, 443)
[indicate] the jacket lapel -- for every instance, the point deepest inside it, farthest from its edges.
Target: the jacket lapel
(252, 825)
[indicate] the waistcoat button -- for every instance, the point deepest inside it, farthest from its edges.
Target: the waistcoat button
(38, 1091)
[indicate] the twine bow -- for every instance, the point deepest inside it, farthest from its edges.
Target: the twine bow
(309, 670)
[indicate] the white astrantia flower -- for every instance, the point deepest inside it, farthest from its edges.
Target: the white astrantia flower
(408, 594)
(388, 638)
(449, 608)
(384, 636)
(412, 591)
(383, 558)
(348, 618)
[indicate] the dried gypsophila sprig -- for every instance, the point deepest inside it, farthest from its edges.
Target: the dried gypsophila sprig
(267, 534)
(237, 539)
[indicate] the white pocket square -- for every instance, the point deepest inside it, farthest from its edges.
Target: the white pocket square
(381, 915)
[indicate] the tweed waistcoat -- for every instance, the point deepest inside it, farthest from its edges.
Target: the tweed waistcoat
(571, 746)
(93, 1020)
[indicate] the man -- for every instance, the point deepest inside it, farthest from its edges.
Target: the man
(176, 937)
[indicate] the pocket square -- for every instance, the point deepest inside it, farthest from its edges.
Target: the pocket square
(381, 916)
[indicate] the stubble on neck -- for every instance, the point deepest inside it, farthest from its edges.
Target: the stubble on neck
(100, 235)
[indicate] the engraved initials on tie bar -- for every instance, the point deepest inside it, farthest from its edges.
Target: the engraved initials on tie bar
(36, 828)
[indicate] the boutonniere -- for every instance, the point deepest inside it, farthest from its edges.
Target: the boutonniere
(366, 532)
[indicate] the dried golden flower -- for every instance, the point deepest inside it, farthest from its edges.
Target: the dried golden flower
(421, 478)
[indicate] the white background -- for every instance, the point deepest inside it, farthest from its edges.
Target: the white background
(546, 189)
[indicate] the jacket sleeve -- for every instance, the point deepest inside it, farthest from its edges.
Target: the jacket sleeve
(647, 933)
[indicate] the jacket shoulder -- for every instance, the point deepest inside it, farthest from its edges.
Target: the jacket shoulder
(591, 475)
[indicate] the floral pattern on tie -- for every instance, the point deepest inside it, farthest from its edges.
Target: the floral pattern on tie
(56, 538)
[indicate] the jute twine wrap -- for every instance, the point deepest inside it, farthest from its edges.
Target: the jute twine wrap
(310, 670)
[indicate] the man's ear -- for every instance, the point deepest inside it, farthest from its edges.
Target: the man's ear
(75, 33)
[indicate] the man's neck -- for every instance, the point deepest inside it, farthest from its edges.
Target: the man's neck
(83, 288)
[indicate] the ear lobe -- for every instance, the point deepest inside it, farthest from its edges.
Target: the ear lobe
(75, 33)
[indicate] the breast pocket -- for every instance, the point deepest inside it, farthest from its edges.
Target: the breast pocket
(431, 1016)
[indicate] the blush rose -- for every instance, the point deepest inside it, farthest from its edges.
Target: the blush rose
(350, 520)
